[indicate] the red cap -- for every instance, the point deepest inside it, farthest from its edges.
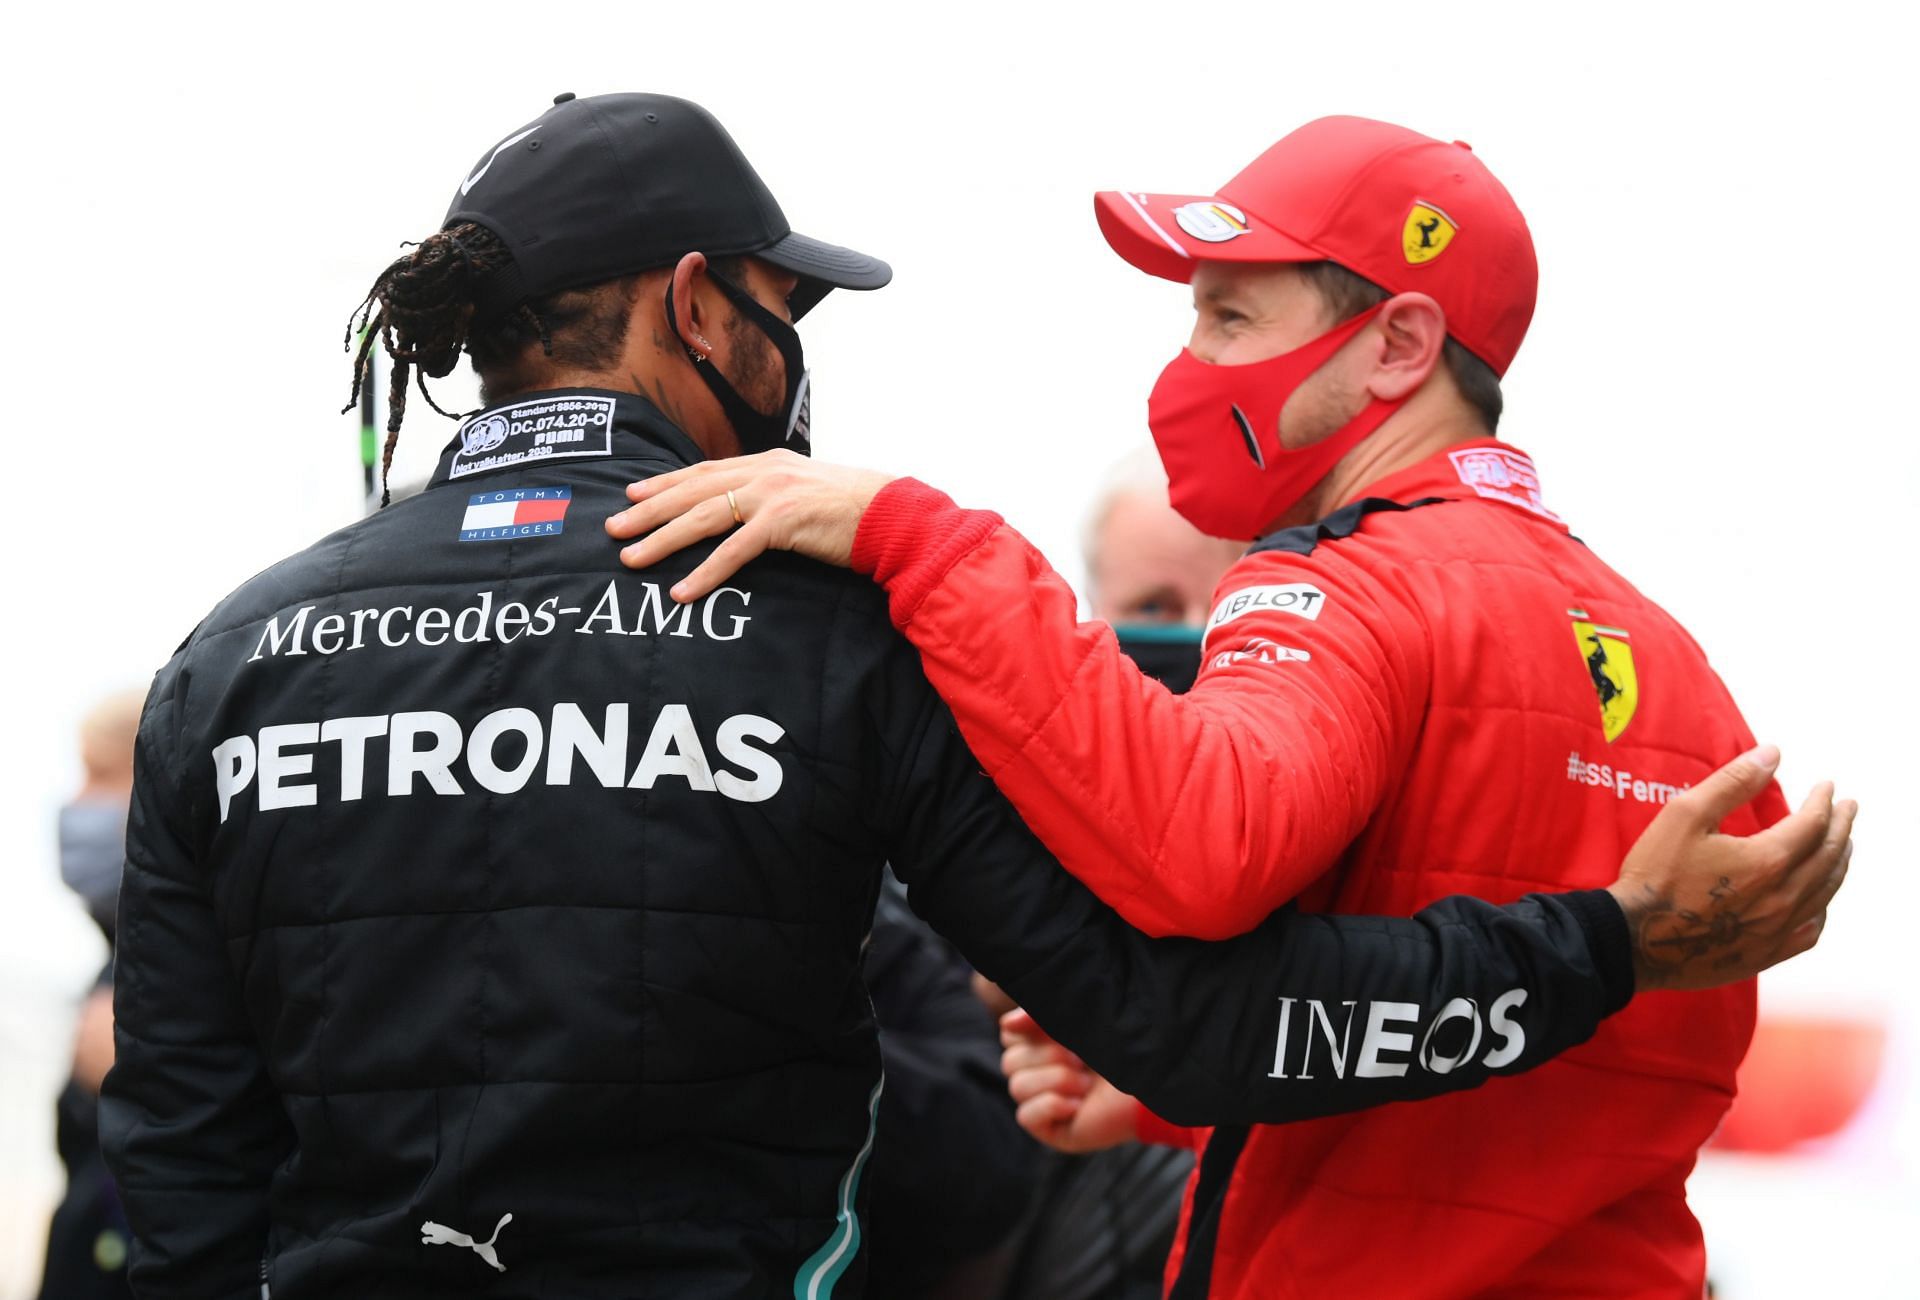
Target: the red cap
(1405, 211)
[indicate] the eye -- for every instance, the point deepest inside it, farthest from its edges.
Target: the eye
(1154, 609)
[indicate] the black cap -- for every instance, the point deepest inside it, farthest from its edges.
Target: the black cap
(605, 186)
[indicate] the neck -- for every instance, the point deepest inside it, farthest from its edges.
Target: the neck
(659, 377)
(1421, 428)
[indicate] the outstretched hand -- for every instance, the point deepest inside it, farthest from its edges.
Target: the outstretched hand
(780, 501)
(1708, 909)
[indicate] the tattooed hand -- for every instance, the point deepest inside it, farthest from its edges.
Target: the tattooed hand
(1707, 909)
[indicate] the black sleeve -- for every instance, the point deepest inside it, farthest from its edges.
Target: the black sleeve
(952, 1172)
(188, 1122)
(1304, 1016)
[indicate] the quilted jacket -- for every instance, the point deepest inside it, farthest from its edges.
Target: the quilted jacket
(492, 925)
(1435, 690)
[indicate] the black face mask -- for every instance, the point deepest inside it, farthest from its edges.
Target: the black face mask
(786, 427)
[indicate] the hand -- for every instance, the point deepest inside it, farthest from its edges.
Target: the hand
(1061, 1102)
(787, 502)
(1707, 909)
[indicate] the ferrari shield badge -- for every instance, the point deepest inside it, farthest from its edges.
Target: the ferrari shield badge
(1609, 655)
(1426, 234)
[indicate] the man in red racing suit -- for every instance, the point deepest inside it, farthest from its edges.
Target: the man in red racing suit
(1397, 704)
(1418, 683)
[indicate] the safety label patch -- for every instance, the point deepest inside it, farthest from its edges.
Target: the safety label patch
(549, 428)
(1501, 475)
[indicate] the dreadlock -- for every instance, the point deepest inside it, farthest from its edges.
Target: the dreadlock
(421, 310)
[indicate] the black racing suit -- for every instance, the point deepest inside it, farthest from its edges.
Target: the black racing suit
(492, 926)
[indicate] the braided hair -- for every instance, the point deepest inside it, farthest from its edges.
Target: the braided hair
(421, 311)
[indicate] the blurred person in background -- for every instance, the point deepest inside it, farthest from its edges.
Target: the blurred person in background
(93, 826)
(1417, 682)
(1150, 573)
(1147, 566)
(491, 925)
(87, 1242)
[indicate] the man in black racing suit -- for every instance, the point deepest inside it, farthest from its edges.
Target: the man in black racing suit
(492, 923)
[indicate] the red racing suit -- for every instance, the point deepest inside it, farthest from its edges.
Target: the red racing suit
(1435, 690)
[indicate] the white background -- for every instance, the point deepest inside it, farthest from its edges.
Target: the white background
(1717, 387)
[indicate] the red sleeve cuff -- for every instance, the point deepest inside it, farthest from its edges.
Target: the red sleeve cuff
(910, 535)
(1153, 1130)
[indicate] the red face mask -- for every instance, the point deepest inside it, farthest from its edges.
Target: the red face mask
(1218, 431)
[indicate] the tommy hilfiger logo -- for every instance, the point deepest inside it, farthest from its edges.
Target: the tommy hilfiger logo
(515, 512)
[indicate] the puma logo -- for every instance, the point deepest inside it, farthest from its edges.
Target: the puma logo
(439, 1234)
(466, 186)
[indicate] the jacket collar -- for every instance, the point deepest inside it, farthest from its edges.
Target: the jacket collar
(560, 426)
(1485, 469)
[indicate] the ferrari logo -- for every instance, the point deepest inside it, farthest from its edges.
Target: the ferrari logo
(1609, 655)
(1426, 233)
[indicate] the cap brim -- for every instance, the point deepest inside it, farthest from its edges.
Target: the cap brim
(823, 267)
(1169, 234)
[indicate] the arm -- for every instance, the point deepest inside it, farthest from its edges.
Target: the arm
(1197, 814)
(188, 1120)
(1247, 1030)
(1714, 924)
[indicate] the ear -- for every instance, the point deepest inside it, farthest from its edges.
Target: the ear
(688, 273)
(1411, 330)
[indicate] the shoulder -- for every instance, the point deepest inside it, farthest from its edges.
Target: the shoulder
(823, 581)
(286, 583)
(1354, 585)
(380, 576)
(1412, 544)
(1342, 525)
(1361, 555)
